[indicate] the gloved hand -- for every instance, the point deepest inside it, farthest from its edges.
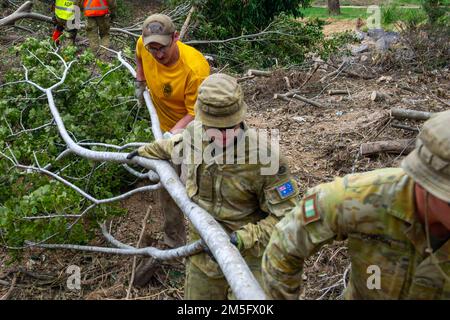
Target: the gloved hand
(112, 16)
(236, 241)
(167, 135)
(133, 154)
(139, 89)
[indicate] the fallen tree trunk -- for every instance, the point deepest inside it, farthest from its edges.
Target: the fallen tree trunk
(402, 146)
(23, 12)
(410, 114)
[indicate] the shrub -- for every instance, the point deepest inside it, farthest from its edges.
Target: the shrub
(92, 111)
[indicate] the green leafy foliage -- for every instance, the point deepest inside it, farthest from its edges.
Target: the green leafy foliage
(282, 40)
(287, 42)
(248, 16)
(391, 14)
(96, 106)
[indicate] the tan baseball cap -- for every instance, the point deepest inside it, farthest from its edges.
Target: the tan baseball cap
(158, 28)
(429, 163)
(220, 102)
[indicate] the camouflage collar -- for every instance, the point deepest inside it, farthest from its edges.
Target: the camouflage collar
(403, 205)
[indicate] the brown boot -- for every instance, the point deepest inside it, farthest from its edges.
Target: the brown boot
(145, 272)
(147, 266)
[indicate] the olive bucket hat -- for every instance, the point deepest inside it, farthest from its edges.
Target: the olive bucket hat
(220, 102)
(429, 163)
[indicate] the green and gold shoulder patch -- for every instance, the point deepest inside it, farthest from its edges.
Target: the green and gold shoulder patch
(310, 212)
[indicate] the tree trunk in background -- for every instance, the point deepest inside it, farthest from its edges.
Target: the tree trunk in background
(334, 8)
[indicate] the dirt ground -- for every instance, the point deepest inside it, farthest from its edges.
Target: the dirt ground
(319, 143)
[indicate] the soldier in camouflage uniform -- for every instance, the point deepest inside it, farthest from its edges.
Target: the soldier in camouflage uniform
(99, 15)
(245, 201)
(396, 220)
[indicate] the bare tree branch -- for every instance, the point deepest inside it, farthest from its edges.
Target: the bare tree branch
(170, 254)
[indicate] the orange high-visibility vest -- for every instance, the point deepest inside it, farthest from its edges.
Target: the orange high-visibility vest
(95, 8)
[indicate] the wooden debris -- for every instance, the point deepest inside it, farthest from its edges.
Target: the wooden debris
(378, 96)
(402, 146)
(410, 114)
(286, 96)
(311, 102)
(337, 92)
(316, 67)
(404, 127)
(259, 73)
(337, 71)
(185, 26)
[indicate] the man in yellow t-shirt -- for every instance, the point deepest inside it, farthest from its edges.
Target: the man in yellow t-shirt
(172, 71)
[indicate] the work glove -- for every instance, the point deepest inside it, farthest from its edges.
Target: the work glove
(139, 89)
(236, 241)
(133, 154)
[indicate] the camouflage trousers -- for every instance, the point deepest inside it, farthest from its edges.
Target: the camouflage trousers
(198, 286)
(97, 30)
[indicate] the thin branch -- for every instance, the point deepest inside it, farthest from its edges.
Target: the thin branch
(245, 36)
(171, 254)
(11, 289)
(32, 130)
(83, 193)
(186, 22)
(68, 216)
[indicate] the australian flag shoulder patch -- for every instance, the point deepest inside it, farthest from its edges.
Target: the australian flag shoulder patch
(286, 189)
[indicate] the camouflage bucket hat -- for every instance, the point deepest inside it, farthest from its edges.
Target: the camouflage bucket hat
(429, 163)
(220, 102)
(158, 28)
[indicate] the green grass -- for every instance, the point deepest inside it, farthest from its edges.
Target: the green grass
(346, 13)
(369, 2)
(388, 14)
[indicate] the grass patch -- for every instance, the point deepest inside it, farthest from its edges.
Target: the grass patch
(370, 2)
(389, 14)
(346, 13)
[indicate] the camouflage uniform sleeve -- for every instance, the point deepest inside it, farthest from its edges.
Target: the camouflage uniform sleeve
(161, 149)
(256, 236)
(304, 230)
